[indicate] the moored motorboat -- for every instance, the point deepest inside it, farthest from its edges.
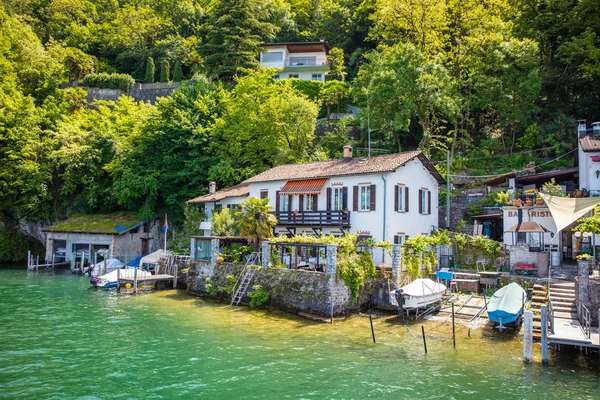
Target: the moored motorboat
(420, 294)
(506, 304)
(110, 280)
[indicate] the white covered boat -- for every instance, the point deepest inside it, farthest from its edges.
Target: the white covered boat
(421, 293)
(105, 267)
(110, 280)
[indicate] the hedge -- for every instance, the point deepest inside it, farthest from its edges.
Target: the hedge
(123, 82)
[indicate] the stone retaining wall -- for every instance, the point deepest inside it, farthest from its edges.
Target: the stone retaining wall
(291, 290)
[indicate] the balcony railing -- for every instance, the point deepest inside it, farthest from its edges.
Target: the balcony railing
(305, 61)
(313, 218)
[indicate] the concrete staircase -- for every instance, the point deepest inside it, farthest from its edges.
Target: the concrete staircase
(562, 295)
(539, 297)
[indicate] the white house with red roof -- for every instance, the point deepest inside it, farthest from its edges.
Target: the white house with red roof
(301, 60)
(389, 197)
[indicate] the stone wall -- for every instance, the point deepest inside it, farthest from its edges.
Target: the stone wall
(520, 254)
(291, 290)
(593, 300)
(459, 205)
(140, 92)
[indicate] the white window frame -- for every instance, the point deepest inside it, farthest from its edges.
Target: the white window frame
(424, 202)
(337, 199)
(308, 202)
(276, 77)
(283, 202)
(364, 198)
(272, 53)
(401, 198)
(291, 76)
(317, 77)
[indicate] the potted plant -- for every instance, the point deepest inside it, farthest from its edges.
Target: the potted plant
(517, 202)
(578, 192)
(539, 201)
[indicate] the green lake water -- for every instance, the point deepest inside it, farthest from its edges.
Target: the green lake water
(61, 340)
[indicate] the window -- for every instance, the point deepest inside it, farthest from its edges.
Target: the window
(338, 199)
(365, 198)
(308, 202)
(398, 239)
(424, 201)
(264, 194)
(401, 198)
(273, 56)
(294, 76)
(284, 202)
(317, 77)
(276, 77)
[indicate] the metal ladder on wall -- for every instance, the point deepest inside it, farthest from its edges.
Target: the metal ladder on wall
(244, 281)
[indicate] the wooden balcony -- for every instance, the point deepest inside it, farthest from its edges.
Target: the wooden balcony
(313, 218)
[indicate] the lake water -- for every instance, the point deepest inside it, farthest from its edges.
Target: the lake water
(61, 340)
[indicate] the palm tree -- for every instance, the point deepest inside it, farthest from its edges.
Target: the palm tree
(255, 221)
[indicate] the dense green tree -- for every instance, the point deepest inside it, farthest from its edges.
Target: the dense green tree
(150, 70)
(336, 65)
(255, 220)
(234, 32)
(165, 70)
(177, 74)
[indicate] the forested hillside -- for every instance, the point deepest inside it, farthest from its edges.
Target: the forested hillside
(478, 77)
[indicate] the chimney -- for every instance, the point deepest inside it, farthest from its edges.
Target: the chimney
(212, 187)
(582, 129)
(347, 152)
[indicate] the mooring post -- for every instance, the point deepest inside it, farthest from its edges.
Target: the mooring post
(37, 262)
(469, 333)
(453, 331)
(135, 280)
(528, 336)
(424, 341)
(118, 279)
(372, 330)
(544, 334)
(28, 259)
(175, 275)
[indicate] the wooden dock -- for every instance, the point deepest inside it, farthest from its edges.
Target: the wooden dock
(150, 278)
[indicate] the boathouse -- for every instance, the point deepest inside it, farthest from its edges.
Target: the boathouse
(123, 234)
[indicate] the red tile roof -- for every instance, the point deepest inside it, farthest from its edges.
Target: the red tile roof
(590, 143)
(305, 186)
(233, 191)
(354, 166)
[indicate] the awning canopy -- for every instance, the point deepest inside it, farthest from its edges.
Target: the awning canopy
(528, 227)
(306, 186)
(484, 217)
(566, 210)
(595, 158)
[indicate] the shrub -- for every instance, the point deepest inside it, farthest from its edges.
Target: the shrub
(258, 296)
(150, 70)
(123, 82)
(229, 285)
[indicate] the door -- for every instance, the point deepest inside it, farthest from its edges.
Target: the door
(145, 246)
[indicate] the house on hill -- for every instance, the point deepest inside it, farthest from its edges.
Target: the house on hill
(389, 197)
(124, 234)
(306, 61)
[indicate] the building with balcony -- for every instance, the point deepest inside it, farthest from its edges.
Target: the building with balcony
(306, 61)
(389, 197)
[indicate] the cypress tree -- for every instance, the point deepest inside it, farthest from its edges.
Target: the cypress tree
(149, 78)
(164, 70)
(177, 71)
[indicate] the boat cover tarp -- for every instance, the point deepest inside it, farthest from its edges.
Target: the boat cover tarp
(566, 210)
(110, 265)
(506, 303)
(136, 261)
(110, 279)
(423, 287)
(154, 258)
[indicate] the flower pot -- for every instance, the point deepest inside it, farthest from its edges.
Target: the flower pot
(539, 202)
(517, 203)
(529, 203)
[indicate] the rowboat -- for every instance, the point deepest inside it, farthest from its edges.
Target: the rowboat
(506, 305)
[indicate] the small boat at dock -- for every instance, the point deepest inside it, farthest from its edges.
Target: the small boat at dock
(506, 304)
(110, 280)
(420, 294)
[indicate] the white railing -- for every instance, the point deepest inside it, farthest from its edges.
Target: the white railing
(305, 61)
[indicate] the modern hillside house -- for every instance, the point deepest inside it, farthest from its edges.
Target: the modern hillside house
(389, 197)
(589, 157)
(306, 61)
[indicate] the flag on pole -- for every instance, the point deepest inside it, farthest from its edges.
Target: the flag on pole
(166, 225)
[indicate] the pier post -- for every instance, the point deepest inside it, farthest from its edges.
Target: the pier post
(135, 280)
(544, 334)
(528, 336)
(424, 341)
(118, 279)
(28, 259)
(175, 275)
(372, 330)
(453, 331)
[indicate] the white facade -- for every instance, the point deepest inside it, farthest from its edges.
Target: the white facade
(307, 62)
(385, 223)
(209, 209)
(541, 215)
(589, 157)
